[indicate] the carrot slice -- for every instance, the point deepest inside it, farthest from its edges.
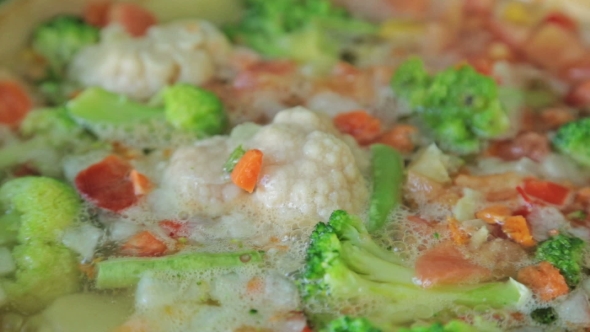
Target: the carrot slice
(400, 138)
(547, 191)
(445, 264)
(246, 172)
(15, 103)
(143, 244)
(458, 235)
(517, 229)
(544, 280)
(135, 19)
(96, 13)
(107, 184)
(360, 125)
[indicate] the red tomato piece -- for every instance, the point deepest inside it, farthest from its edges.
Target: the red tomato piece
(579, 95)
(562, 20)
(107, 184)
(174, 229)
(358, 124)
(96, 13)
(15, 103)
(143, 244)
(135, 19)
(445, 264)
(546, 191)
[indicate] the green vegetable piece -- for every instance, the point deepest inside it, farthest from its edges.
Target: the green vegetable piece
(59, 39)
(459, 106)
(126, 272)
(410, 82)
(49, 135)
(571, 139)
(44, 273)
(313, 31)
(9, 223)
(194, 109)
(452, 326)
(349, 324)
(96, 106)
(42, 208)
(233, 159)
(338, 271)
(388, 172)
(46, 207)
(566, 254)
(544, 316)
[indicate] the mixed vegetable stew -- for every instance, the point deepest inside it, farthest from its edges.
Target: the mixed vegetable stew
(312, 165)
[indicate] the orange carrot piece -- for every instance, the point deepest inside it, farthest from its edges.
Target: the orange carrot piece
(134, 18)
(358, 124)
(246, 172)
(15, 103)
(544, 280)
(400, 138)
(141, 184)
(495, 214)
(143, 244)
(458, 235)
(518, 230)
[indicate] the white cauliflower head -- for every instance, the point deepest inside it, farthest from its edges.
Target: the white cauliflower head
(188, 51)
(309, 170)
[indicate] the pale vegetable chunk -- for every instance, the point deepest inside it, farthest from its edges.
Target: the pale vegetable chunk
(182, 51)
(308, 171)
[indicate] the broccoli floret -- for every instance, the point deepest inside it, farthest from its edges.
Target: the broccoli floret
(544, 316)
(304, 30)
(566, 254)
(59, 39)
(338, 270)
(452, 326)
(459, 106)
(349, 324)
(571, 139)
(114, 117)
(44, 273)
(49, 134)
(194, 109)
(42, 208)
(126, 272)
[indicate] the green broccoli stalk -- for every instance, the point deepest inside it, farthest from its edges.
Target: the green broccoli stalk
(49, 134)
(45, 268)
(126, 272)
(459, 106)
(194, 109)
(59, 39)
(304, 30)
(571, 139)
(566, 254)
(112, 116)
(338, 270)
(349, 324)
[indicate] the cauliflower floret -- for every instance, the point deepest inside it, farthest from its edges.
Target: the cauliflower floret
(187, 51)
(309, 170)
